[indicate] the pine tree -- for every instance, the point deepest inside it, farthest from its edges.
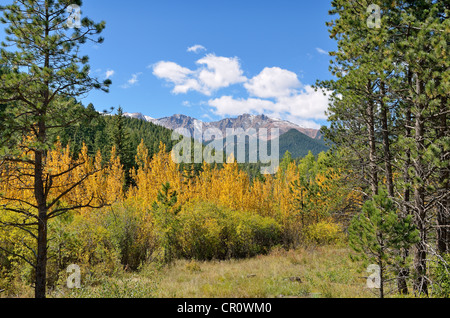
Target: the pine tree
(378, 235)
(47, 75)
(120, 139)
(286, 161)
(389, 110)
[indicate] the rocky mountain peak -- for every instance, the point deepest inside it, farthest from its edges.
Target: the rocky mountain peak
(245, 122)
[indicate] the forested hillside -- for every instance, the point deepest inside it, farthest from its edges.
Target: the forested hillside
(101, 131)
(299, 145)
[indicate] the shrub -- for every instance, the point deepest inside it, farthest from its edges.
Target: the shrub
(324, 232)
(126, 231)
(208, 231)
(248, 234)
(165, 230)
(111, 236)
(200, 232)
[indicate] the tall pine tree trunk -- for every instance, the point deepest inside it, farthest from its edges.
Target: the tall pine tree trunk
(404, 271)
(373, 178)
(443, 209)
(39, 190)
(402, 285)
(420, 261)
(386, 143)
(52, 78)
(381, 264)
(41, 257)
(41, 262)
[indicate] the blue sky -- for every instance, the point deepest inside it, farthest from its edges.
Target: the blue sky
(212, 59)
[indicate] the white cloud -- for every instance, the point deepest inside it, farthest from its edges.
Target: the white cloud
(273, 83)
(220, 72)
(321, 51)
(275, 92)
(188, 85)
(215, 72)
(303, 108)
(132, 81)
(196, 48)
(306, 104)
(171, 72)
(109, 74)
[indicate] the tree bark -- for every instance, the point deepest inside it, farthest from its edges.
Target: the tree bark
(41, 259)
(381, 264)
(41, 262)
(443, 209)
(373, 178)
(420, 261)
(404, 271)
(386, 143)
(39, 190)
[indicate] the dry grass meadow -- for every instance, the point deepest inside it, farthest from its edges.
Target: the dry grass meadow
(325, 272)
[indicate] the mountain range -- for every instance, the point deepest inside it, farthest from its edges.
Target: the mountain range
(244, 122)
(293, 138)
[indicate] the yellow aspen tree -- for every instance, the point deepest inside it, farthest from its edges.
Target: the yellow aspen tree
(233, 185)
(152, 174)
(261, 197)
(115, 178)
(139, 174)
(16, 187)
(84, 165)
(70, 185)
(283, 192)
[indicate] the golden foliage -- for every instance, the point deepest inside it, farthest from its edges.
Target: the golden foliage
(71, 184)
(298, 201)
